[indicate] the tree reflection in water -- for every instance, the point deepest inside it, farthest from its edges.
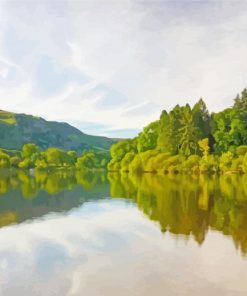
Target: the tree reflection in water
(189, 205)
(185, 206)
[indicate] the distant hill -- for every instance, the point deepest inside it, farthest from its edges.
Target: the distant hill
(18, 129)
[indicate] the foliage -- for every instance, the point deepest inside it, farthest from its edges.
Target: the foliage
(237, 164)
(29, 150)
(121, 148)
(245, 164)
(125, 162)
(147, 139)
(73, 156)
(189, 133)
(209, 164)
(188, 139)
(25, 164)
(4, 160)
(241, 150)
(32, 157)
(229, 130)
(204, 146)
(191, 163)
(87, 160)
(14, 161)
(240, 102)
(226, 161)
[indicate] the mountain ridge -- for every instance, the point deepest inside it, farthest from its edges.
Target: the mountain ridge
(17, 129)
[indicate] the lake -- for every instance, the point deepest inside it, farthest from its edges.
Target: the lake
(75, 233)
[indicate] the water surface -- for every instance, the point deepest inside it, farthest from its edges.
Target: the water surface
(66, 233)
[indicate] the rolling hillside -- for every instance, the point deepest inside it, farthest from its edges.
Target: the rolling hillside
(18, 129)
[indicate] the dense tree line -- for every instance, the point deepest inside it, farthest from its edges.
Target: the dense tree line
(188, 139)
(31, 156)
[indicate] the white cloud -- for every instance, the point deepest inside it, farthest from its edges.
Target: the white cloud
(68, 60)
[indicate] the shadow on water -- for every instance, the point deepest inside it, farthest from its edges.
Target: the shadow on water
(182, 205)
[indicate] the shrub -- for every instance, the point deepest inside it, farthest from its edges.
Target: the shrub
(173, 164)
(14, 161)
(136, 165)
(191, 163)
(25, 164)
(209, 164)
(41, 164)
(4, 160)
(237, 163)
(113, 165)
(125, 162)
(156, 163)
(245, 163)
(241, 150)
(226, 161)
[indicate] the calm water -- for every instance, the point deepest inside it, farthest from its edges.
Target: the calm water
(91, 234)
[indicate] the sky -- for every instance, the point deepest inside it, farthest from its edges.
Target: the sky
(110, 67)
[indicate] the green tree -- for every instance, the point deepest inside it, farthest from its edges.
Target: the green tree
(204, 147)
(56, 157)
(189, 133)
(201, 119)
(229, 130)
(88, 160)
(28, 150)
(41, 163)
(72, 156)
(240, 102)
(4, 160)
(245, 164)
(169, 136)
(241, 150)
(119, 149)
(14, 161)
(147, 139)
(26, 163)
(125, 162)
(226, 161)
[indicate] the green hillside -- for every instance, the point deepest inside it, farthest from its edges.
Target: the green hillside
(18, 129)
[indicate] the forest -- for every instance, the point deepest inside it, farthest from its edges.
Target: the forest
(185, 140)
(188, 139)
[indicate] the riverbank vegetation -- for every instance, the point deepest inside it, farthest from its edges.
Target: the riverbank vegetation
(185, 140)
(188, 139)
(31, 156)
